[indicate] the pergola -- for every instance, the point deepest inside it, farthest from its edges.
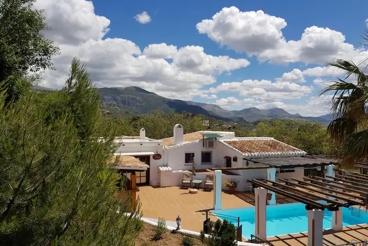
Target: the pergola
(363, 166)
(271, 163)
(331, 192)
(129, 164)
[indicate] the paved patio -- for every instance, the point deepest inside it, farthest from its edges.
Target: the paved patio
(170, 202)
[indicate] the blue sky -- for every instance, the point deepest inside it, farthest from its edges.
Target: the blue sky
(278, 47)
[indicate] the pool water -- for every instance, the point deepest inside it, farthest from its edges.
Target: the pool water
(286, 218)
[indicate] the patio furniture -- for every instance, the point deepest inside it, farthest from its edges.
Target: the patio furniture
(187, 180)
(208, 182)
(196, 183)
(249, 187)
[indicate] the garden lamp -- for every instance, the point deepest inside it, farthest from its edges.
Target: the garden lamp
(178, 222)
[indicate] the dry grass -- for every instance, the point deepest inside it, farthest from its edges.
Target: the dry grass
(168, 239)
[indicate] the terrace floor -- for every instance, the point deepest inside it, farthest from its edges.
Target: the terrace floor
(169, 202)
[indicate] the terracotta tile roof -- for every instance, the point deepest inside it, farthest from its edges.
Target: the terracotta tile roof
(189, 137)
(261, 145)
(126, 161)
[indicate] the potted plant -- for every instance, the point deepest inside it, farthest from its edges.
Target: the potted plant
(231, 185)
(269, 196)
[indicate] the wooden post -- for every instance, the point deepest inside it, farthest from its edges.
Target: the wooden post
(133, 185)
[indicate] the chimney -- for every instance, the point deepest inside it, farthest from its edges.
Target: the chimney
(142, 134)
(178, 134)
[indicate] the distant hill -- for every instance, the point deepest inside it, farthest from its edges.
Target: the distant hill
(135, 101)
(139, 101)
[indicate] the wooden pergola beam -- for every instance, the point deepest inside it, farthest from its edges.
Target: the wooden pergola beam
(357, 175)
(306, 193)
(290, 195)
(353, 185)
(241, 168)
(336, 184)
(304, 186)
(332, 184)
(323, 186)
(351, 178)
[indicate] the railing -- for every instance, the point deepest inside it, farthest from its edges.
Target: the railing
(232, 219)
(363, 243)
(257, 240)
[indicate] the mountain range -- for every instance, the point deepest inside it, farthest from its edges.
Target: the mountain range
(135, 100)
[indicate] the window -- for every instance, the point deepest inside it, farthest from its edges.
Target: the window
(287, 170)
(189, 157)
(206, 157)
(235, 159)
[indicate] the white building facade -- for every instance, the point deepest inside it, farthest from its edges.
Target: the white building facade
(208, 150)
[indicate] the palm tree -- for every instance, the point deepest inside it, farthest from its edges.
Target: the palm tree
(349, 128)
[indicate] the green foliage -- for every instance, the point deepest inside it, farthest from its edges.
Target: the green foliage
(56, 187)
(223, 234)
(23, 46)
(202, 236)
(308, 136)
(160, 229)
(349, 128)
(187, 241)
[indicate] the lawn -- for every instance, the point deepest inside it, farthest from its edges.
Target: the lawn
(145, 238)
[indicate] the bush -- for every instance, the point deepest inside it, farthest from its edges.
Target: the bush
(223, 234)
(187, 241)
(202, 236)
(160, 229)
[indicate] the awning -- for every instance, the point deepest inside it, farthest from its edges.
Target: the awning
(136, 153)
(127, 163)
(293, 161)
(211, 135)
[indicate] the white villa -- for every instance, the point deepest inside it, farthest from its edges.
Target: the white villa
(239, 157)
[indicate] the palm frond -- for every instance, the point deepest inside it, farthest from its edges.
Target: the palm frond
(357, 146)
(341, 128)
(350, 68)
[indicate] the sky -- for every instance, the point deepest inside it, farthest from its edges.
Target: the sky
(236, 54)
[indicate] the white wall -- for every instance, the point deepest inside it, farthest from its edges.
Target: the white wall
(175, 157)
(298, 174)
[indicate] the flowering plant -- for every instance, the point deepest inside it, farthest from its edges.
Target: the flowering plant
(230, 183)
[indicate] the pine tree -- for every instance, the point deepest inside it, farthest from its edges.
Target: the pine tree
(56, 188)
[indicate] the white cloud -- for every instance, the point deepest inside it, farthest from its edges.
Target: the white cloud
(260, 34)
(295, 76)
(208, 96)
(165, 69)
(226, 102)
(264, 90)
(323, 71)
(143, 18)
(160, 51)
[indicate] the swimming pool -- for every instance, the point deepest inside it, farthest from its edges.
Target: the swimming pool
(286, 218)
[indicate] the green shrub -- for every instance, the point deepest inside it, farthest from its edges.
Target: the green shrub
(202, 236)
(187, 241)
(223, 234)
(160, 229)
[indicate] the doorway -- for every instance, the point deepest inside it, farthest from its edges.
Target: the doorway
(228, 162)
(143, 176)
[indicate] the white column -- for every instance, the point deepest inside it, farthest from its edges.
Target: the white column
(260, 196)
(315, 227)
(217, 191)
(271, 175)
(336, 223)
(337, 220)
(330, 172)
